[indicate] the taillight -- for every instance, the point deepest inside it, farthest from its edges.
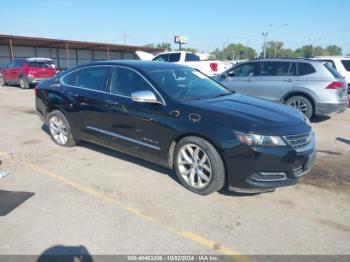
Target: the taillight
(336, 85)
(214, 67)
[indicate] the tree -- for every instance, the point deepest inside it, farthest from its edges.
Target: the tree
(166, 46)
(275, 49)
(189, 49)
(234, 52)
(334, 50)
(305, 51)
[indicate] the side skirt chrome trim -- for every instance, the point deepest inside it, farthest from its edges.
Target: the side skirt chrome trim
(122, 137)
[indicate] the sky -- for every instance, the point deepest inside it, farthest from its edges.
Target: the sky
(207, 23)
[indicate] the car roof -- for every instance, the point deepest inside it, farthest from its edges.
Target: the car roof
(141, 65)
(283, 60)
(332, 57)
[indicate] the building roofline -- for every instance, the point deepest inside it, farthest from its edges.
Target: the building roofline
(74, 44)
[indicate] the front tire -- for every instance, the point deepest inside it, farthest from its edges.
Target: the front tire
(199, 166)
(23, 83)
(60, 130)
(302, 104)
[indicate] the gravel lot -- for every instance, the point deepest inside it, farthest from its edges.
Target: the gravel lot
(111, 203)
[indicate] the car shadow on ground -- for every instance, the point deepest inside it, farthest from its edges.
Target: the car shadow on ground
(117, 154)
(343, 140)
(10, 200)
(65, 254)
(320, 119)
(146, 164)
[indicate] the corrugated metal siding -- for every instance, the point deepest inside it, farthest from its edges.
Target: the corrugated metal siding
(63, 54)
(84, 54)
(83, 61)
(4, 61)
(4, 50)
(115, 55)
(43, 52)
(100, 55)
(23, 51)
(129, 56)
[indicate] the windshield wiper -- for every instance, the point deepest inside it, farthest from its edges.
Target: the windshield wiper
(222, 94)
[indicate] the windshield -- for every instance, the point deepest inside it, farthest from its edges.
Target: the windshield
(187, 84)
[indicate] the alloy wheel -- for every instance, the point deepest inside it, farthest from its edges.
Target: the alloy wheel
(58, 130)
(299, 105)
(194, 166)
(22, 84)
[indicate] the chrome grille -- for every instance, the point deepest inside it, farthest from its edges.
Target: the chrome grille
(302, 142)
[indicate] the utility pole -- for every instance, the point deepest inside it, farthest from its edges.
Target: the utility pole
(246, 49)
(276, 43)
(265, 34)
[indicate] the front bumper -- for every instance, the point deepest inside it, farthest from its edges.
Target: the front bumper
(262, 169)
(330, 108)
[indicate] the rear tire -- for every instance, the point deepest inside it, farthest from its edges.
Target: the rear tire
(23, 83)
(60, 129)
(199, 166)
(302, 104)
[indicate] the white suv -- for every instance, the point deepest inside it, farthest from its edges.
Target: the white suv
(341, 63)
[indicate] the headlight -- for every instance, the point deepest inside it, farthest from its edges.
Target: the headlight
(260, 140)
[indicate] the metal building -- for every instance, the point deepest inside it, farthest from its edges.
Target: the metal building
(64, 53)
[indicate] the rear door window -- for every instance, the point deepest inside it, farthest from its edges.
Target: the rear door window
(275, 69)
(346, 64)
(191, 58)
(125, 81)
(94, 78)
(162, 58)
(19, 63)
(39, 65)
(11, 65)
(174, 58)
(305, 69)
(246, 70)
(293, 70)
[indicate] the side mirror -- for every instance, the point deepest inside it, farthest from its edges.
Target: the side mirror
(145, 97)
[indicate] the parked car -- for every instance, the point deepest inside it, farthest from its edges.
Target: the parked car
(27, 72)
(209, 68)
(177, 117)
(341, 64)
(314, 88)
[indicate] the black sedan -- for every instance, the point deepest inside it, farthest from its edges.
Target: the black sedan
(179, 118)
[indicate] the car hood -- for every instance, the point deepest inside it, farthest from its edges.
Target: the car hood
(250, 114)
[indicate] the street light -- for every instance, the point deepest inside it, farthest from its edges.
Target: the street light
(312, 41)
(265, 34)
(283, 25)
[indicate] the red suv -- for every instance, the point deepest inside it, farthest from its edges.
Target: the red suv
(27, 72)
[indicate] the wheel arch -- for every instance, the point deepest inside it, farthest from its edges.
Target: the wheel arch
(300, 93)
(183, 135)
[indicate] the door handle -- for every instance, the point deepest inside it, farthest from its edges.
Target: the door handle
(111, 102)
(248, 80)
(73, 94)
(288, 80)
